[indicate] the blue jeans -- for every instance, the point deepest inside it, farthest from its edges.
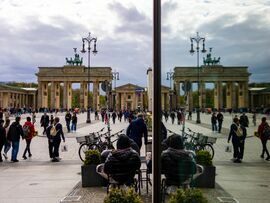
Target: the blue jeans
(15, 150)
(73, 126)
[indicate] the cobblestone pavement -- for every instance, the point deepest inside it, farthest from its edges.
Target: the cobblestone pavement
(39, 180)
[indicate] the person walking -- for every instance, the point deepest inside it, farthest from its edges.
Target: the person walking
(55, 134)
(44, 122)
(74, 120)
(28, 138)
(172, 115)
(2, 137)
(214, 122)
(114, 117)
(68, 119)
(244, 120)
(137, 129)
(34, 117)
(254, 118)
(179, 117)
(220, 121)
(14, 134)
(8, 143)
(238, 135)
(263, 131)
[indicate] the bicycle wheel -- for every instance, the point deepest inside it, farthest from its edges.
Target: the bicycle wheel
(198, 147)
(84, 147)
(210, 149)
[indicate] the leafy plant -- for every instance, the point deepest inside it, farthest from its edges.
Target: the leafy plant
(92, 157)
(122, 196)
(187, 196)
(204, 158)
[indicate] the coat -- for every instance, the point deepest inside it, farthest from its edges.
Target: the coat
(136, 130)
(122, 165)
(15, 131)
(177, 166)
(31, 130)
(233, 135)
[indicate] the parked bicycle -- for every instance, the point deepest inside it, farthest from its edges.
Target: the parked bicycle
(197, 141)
(94, 141)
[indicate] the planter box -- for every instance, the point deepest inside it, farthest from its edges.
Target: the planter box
(90, 178)
(207, 179)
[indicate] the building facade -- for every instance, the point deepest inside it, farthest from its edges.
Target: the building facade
(234, 78)
(15, 97)
(52, 78)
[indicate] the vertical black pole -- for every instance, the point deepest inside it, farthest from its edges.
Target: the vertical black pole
(156, 129)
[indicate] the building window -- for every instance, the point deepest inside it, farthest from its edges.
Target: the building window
(129, 97)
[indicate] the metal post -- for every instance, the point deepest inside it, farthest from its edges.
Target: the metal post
(197, 39)
(156, 130)
(169, 77)
(88, 39)
(88, 120)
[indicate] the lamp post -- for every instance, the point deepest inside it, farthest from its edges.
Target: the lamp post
(115, 77)
(169, 77)
(88, 40)
(197, 40)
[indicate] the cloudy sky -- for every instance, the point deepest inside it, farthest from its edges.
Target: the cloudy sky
(43, 32)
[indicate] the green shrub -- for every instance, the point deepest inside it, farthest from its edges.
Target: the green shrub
(92, 157)
(187, 196)
(203, 158)
(122, 196)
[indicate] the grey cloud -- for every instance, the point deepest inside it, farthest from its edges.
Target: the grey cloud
(131, 21)
(167, 8)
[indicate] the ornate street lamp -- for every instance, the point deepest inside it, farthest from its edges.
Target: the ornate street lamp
(88, 40)
(115, 77)
(198, 39)
(170, 77)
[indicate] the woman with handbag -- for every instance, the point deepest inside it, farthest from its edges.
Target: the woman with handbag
(264, 137)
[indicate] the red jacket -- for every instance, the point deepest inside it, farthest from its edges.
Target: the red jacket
(261, 129)
(31, 128)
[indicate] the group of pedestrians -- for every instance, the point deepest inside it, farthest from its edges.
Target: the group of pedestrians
(71, 121)
(10, 136)
(216, 121)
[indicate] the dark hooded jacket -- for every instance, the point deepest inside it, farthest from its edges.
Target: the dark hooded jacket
(136, 130)
(177, 164)
(122, 165)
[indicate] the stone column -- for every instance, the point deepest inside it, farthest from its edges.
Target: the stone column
(39, 105)
(57, 95)
(202, 97)
(95, 94)
(240, 95)
(228, 95)
(218, 95)
(190, 98)
(67, 95)
(162, 101)
(246, 96)
(83, 95)
(52, 104)
(234, 101)
(133, 101)
(177, 94)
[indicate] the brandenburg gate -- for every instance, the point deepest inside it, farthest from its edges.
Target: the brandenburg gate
(60, 80)
(233, 80)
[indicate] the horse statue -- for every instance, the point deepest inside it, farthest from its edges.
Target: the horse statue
(69, 61)
(216, 61)
(208, 59)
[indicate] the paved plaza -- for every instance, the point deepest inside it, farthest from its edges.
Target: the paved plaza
(39, 180)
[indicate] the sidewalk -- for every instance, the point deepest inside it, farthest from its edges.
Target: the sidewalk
(38, 180)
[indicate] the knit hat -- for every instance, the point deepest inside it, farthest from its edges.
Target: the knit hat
(123, 142)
